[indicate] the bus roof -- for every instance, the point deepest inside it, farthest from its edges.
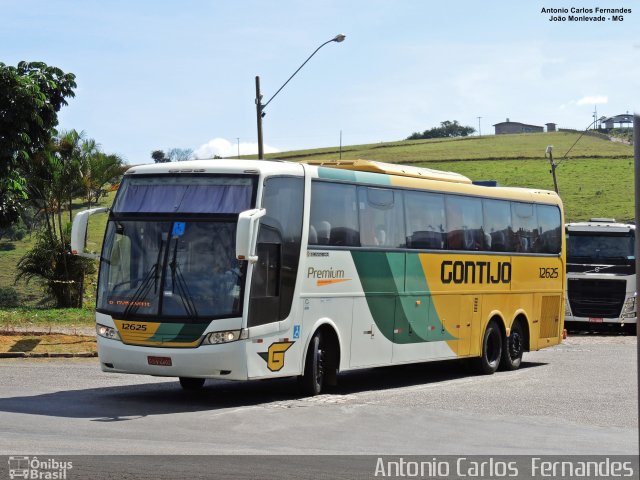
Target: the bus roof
(392, 169)
(401, 175)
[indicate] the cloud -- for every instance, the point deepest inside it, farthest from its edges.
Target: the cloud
(593, 100)
(226, 149)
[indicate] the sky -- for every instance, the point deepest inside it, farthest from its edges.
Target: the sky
(181, 74)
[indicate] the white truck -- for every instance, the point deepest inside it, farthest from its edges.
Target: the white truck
(601, 274)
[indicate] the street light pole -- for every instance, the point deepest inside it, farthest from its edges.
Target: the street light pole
(260, 113)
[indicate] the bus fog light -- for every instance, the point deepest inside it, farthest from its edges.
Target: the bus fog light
(227, 336)
(107, 332)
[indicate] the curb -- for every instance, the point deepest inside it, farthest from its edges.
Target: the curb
(47, 355)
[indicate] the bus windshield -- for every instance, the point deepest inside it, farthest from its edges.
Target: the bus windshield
(182, 270)
(169, 248)
(596, 247)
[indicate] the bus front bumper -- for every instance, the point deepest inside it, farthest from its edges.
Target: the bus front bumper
(225, 361)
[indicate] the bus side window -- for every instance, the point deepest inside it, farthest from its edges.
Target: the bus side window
(425, 220)
(464, 224)
(334, 218)
(497, 224)
(525, 227)
(550, 228)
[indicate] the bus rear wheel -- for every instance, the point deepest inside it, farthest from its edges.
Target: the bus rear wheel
(313, 378)
(513, 348)
(191, 384)
(489, 361)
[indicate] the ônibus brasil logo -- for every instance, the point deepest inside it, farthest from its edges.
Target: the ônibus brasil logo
(36, 469)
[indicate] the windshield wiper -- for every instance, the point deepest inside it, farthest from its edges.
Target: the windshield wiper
(144, 287)
(177, 279)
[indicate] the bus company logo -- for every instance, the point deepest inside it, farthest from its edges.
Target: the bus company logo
(326, 276)
(274, 356)
(317, 254)
(36, 469)
(475, 272)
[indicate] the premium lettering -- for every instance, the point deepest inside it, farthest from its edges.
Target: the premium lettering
(324, 273)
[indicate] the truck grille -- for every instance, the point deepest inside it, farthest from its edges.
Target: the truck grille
(596, 298)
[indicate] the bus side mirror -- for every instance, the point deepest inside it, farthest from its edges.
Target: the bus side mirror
(79, 232)
(247, 234)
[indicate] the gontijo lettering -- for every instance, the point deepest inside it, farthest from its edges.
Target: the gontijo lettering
(475, 272)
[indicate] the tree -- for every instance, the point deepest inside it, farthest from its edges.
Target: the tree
(159, 156)
(172, 155)
(100, 170)
(180, 154)
(31, 95)
(446, 129)
(69, 166)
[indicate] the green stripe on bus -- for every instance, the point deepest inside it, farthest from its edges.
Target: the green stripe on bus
(178, 332)
(402, 313)
(353, 176)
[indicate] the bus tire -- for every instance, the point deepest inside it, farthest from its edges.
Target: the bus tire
(489, 360)
(191, 384)
(313, 379)
(513, 347)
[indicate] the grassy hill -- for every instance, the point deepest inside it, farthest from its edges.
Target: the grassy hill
(595, 180)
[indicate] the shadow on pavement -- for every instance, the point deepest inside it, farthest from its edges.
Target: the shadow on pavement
(129, 402)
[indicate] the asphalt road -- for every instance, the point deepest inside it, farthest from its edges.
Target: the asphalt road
(576, 398)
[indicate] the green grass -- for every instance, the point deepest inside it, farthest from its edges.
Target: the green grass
(511, 147)
(589, 188)
(46, 317)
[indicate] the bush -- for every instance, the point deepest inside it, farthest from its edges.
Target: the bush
(61, 274)
(9, 297)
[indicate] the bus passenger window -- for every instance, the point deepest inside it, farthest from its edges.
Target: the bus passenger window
(425, 220)
(464, 224)
(497, 224)
(381, 218)
(549, 228)
(525, 227)
(334, 217)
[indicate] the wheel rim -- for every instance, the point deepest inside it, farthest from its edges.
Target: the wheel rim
(515, 345)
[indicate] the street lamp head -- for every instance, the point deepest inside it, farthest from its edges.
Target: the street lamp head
(339, 38)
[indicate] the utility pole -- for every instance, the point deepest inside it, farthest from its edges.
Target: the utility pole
(259, 114)
(479, 127)
(238, 139)
(340, 144)
(553, 167)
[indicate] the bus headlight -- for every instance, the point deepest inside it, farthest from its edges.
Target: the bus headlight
(226, 336)
(629, 308)
(107, 332)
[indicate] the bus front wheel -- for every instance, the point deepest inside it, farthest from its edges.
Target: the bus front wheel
(489, 361)
(191, 384)
(313, 378)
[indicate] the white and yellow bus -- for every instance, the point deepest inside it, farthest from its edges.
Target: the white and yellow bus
(237, 269)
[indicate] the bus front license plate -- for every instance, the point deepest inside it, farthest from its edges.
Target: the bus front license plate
(595, 320)
(161, 361)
